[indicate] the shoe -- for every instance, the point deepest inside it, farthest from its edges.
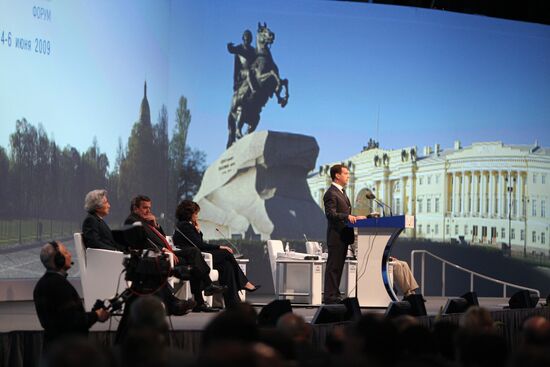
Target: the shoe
(204, 308)
(214, 289)
(181, 307)
(256, 287)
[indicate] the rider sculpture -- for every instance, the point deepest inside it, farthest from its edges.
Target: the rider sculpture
(255, 80)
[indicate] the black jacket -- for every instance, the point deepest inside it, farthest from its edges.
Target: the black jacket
(59, 308)
(194, 238)
(97, 234)
(151, 235)
(337, 210)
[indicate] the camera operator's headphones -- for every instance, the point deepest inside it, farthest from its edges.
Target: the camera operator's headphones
(59, 258)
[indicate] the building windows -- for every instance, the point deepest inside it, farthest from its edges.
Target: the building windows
(428, 229)
(456, 230)
(420, 181)
(514, 207)
(436, 209)
(474, 231)
(429, 179)
(419, 209)
(484, 232)
(534, 208)
(493, 232)
(542, 237)
(522, 235)
(543, 208)
(543, 179)
(465, 230)
(419, 229)
(512, 234)
(428, 205)
(436, 179)
(436, 229)
(534, 237)
(502, 233)
(447, 229)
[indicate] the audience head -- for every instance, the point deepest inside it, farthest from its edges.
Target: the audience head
(148, 312)
(55, 256)
(236, 353)
(477, 319)
(373, 338)
(96, 202)
(536, 331)
(237, 323)
(74, 352)
(294, 327)
(186, 209)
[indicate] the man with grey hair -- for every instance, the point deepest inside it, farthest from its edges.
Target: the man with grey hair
(58, 305)
(95, 232)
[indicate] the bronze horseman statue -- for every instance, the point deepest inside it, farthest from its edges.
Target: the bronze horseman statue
(255, 80)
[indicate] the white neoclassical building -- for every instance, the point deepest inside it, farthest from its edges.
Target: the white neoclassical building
(487, 193)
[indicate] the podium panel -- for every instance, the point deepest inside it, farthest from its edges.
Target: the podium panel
(374, 241)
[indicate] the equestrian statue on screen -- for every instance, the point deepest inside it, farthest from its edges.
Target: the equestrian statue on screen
(255, 80)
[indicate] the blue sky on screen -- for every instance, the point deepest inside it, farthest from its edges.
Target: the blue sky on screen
(426, 76)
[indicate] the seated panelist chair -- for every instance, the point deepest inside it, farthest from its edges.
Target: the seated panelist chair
(294, 277)
(99, 272)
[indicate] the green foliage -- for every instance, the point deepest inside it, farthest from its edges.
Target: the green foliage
(39, 180)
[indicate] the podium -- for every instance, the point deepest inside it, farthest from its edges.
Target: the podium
(374, 242)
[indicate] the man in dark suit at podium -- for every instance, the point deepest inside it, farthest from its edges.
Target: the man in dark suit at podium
(339, 235)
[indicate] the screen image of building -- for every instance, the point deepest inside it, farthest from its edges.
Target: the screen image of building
(489, 193)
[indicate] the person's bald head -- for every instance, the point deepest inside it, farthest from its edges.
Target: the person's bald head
(294, 327)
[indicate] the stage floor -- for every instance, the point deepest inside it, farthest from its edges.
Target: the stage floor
(21, 315)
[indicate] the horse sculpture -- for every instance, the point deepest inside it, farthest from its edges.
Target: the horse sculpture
(256, 80)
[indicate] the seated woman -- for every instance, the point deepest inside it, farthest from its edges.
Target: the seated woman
(188, 234)
(95, 232)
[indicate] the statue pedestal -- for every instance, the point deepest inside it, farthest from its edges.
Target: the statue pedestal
(260, 182)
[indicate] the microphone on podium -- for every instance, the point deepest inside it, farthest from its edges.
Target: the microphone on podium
(370, 195)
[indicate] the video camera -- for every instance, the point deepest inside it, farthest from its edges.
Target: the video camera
(146, 266)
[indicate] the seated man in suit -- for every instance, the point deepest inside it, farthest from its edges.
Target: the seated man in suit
(200, 279)
(58, 305)
(95, 232)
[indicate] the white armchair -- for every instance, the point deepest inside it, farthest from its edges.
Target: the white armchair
(294, 277)
(100, 272)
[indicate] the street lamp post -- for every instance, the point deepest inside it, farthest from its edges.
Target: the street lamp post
(510, 189)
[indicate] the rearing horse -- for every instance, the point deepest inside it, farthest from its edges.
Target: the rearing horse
(252, 95)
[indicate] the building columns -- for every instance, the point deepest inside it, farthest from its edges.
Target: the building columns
(410, 206)
(474, 197)
(500, 193)
(491, 194)
(519, 196)
(463, 194)
(482, 193)
(454, 193)
(402, 195)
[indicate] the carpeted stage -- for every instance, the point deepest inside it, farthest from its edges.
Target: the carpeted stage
(21, 335)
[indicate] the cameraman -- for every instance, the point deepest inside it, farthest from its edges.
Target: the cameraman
(58, 305)
(200, 279)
